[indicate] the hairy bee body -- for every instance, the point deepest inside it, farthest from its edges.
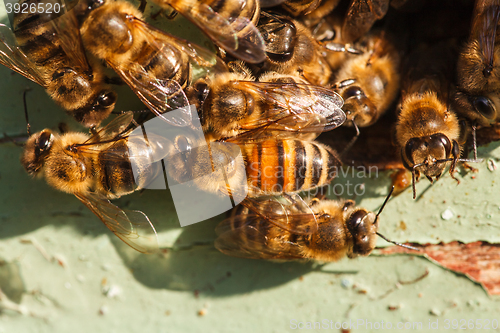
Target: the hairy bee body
(122, 45)
(59, 64)
(428, 131)
(278, 166)
(478, 70)
(107, 165)
(342, 230)
(375, 80)
(106, 172)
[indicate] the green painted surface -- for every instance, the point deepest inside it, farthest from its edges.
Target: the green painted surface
(104, 286)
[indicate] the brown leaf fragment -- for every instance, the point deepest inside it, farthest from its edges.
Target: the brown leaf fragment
(479, 261)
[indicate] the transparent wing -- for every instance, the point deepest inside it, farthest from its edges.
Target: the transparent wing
(132, 227)
(290, 109)
(289, 212)
(240, 36)
(248, 241)
(12, 57)
(68, 33)
(160, 96)
(116, 127)
(163, 95)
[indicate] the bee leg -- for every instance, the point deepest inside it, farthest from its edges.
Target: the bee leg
(93, 131)
(474, 142)
(353, 140)
(469, 167)
(158, 13)
(142, 6)
(172, 15)
(14, 139)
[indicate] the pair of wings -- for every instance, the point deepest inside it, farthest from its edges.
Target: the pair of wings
(164, 95)
(246, 234)
(66, 34)
(292, 110)
(132, 227)
(237, 35)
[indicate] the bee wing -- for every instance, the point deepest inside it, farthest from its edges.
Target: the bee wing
(68, 34)
(360, 17)
(289, 212)
(198, 55)
(12, 57)
(291, 109)
(484, 27)
(132, 227)
(247, 241)
(160, 96)
(224, 33)
(113, 129)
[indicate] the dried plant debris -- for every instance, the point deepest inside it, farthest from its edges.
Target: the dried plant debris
(479, 261)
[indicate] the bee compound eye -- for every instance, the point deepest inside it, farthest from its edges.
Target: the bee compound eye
(441, 140)
(352, 91)
(44, 141)
(106, 99)
(484, 106)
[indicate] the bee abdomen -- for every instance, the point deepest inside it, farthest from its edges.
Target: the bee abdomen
(170, 64)
(290, 165)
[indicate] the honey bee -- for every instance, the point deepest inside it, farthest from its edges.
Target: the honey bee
(361, 16)
(156, 65)
(50, 53)
(428, 132)
(369, 82)
(277, 106)
(317, 8)
(292, 49)
(325, 230)
(230, 24)
(477, 67)
(98, 168)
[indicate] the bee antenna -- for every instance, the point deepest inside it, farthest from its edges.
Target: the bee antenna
(413, 179)
(398, 244)
(28, 127)
(383, 205)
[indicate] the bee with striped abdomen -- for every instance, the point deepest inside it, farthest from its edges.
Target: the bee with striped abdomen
(49, 52)
(325, 230)
(156, 65)
(98, 168)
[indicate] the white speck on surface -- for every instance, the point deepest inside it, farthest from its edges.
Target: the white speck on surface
(447, 214)
(80, 278)
(103, 310)
(345, 283)
(105, 267)
(67, 285)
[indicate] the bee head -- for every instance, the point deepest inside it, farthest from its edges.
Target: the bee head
(428, 154)
(36, 150)
(358, 107)
(363, 226)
